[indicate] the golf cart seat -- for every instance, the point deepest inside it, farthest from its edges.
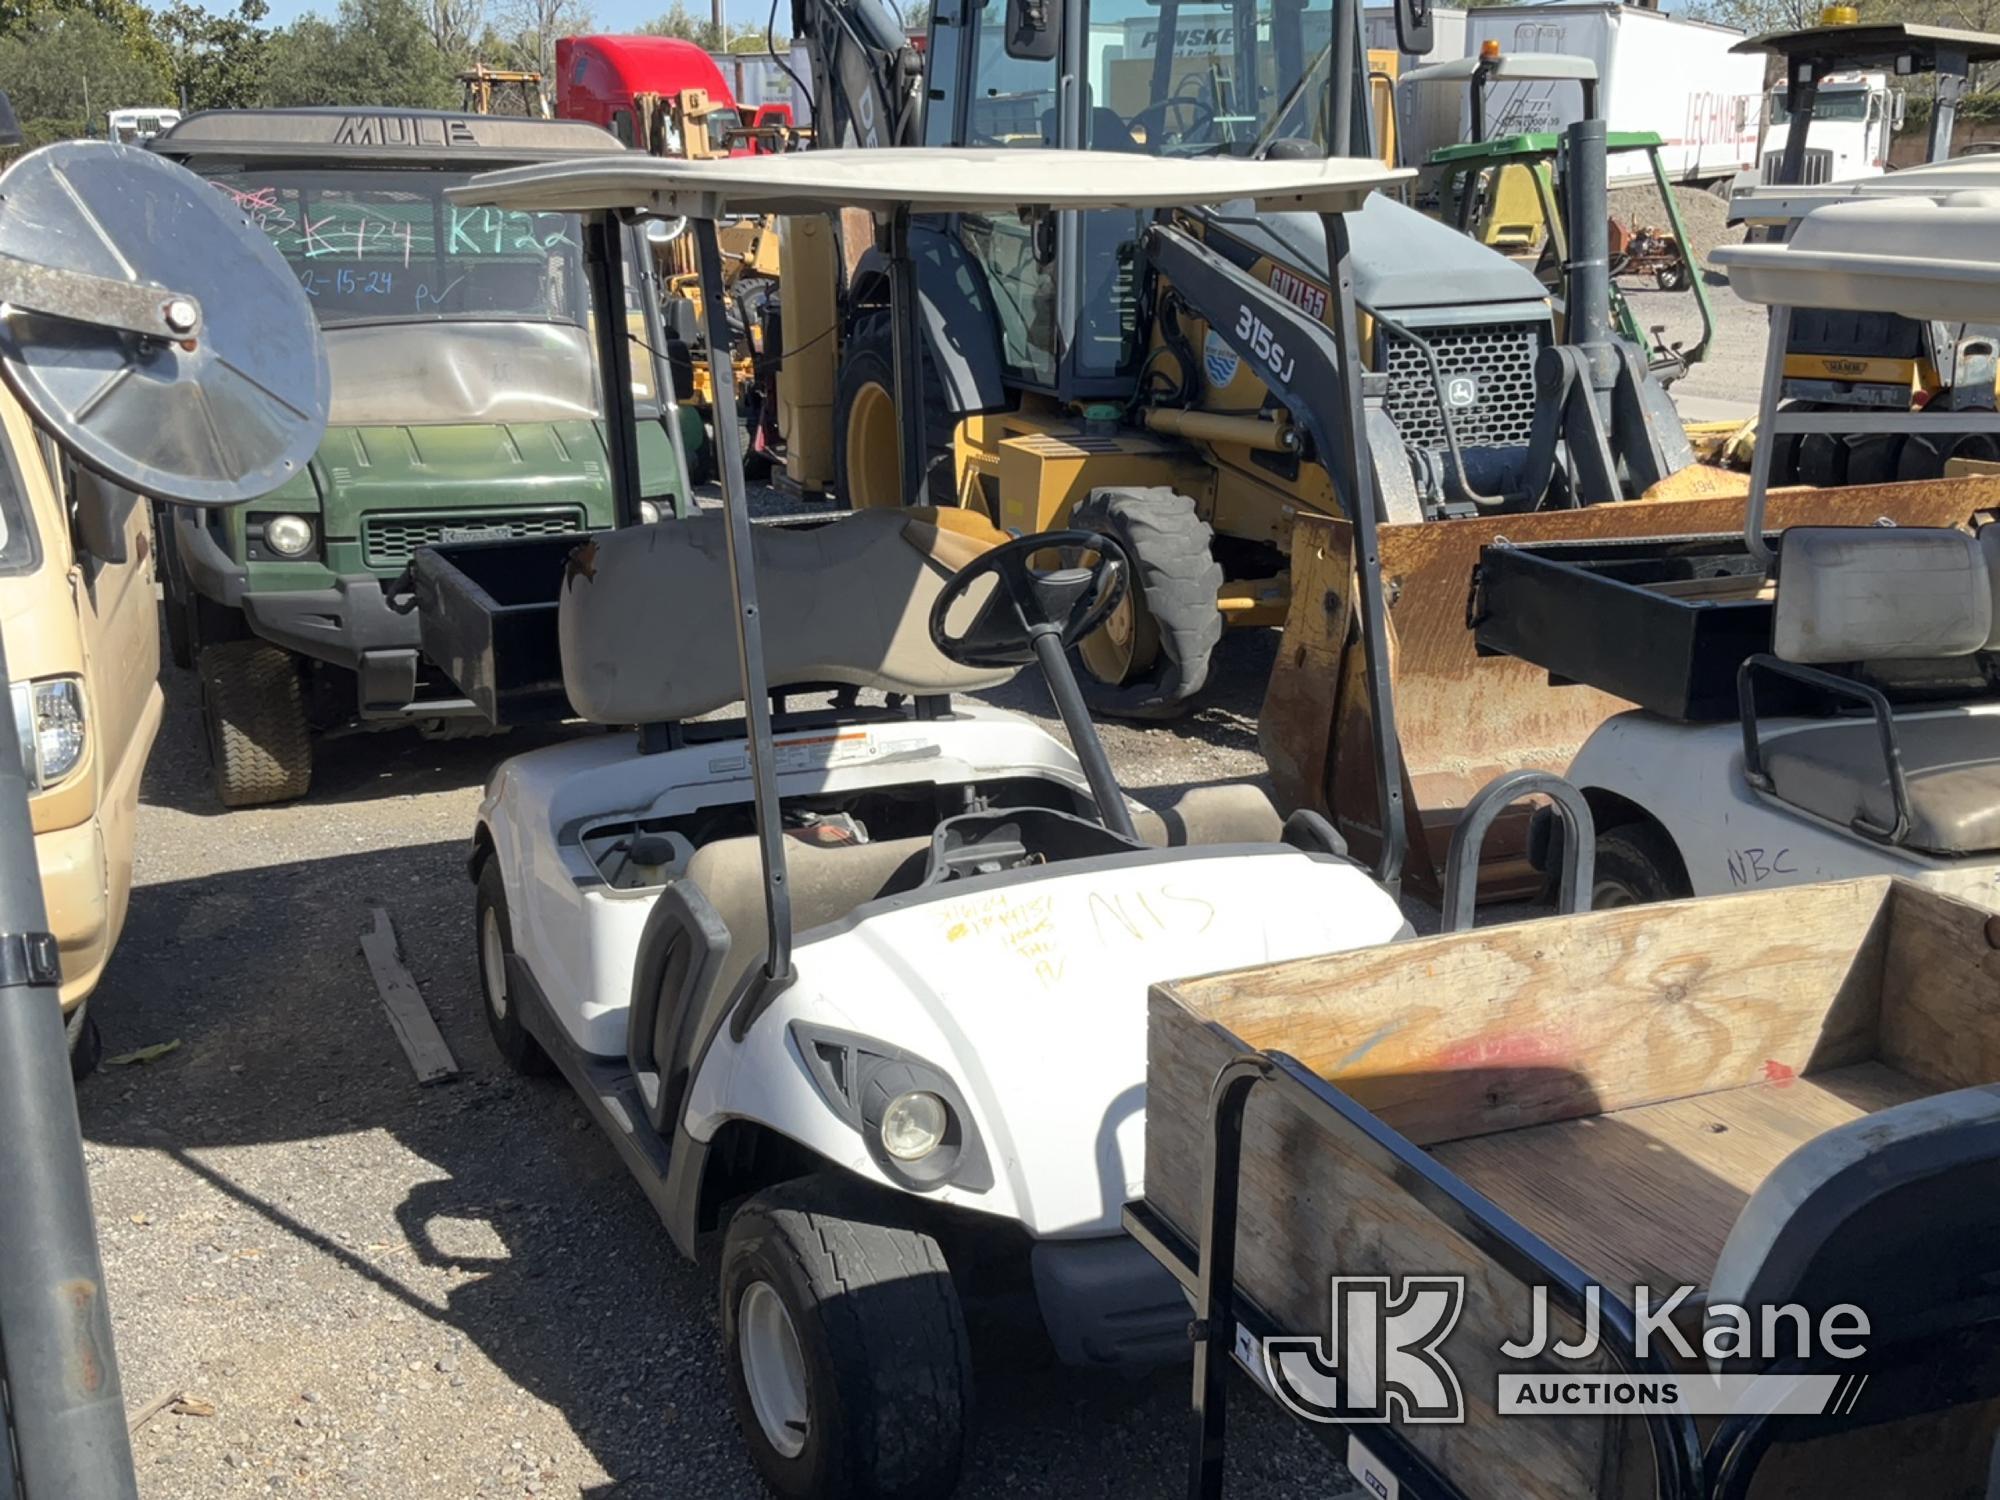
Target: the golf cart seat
(1895, 1213)
(1900, 603)
(648, 633)
(829, 882)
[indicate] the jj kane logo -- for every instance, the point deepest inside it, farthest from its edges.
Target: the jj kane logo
(1385, 1361)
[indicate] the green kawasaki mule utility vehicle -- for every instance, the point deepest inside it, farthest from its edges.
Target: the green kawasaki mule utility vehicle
(468, 399)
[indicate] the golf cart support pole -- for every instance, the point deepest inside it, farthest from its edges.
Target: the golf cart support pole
(743, 599)
(65, 1414)
(906, 359)
(604, 245)
(1951, 72)
(1801, 93)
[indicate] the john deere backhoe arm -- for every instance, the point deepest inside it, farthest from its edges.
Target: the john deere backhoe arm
(868, 81)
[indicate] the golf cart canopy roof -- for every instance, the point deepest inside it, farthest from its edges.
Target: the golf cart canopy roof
(1882, 45)
(928, 179)
(1912, 256)
(1513, 67)
(424, 137)
(1938, 181)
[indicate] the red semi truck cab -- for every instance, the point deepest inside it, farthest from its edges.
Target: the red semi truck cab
(597, 77)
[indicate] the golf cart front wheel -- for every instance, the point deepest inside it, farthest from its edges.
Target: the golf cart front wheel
(495, 933)
(86, 1045)
(848, 1362)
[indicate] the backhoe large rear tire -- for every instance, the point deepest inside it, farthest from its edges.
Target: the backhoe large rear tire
(253, 706)
(1151, 657)
(867, 450)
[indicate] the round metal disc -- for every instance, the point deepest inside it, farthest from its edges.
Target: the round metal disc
(226, 420)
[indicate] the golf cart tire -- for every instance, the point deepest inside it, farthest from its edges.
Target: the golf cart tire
(259, 743)
(1638, 864)
(86, 1043)
(868, 358)
(882, 1338)
(1177, 581)
(513, 1041)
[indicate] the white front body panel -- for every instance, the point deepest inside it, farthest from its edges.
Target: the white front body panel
(579, 936)
(1689, 777)
(1028, 990)
(1031, 994)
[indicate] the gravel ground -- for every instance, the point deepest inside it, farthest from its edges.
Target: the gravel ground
(457, 1291)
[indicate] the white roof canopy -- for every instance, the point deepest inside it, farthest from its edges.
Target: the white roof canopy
(928, 180)
(1779, 204)
(1513, 67)
(1911, 256)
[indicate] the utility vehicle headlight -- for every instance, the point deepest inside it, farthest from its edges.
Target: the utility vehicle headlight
(649, 513)
(913, 1125)
(288, 536)
(48, 716)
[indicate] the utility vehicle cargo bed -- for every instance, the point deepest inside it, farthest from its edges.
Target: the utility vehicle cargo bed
(1605, 1092)
(487, 611)
(1665, 621)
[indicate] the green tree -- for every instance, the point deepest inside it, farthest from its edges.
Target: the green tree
(374, 52)
(678, 21)
(217, 61)
(64, 69)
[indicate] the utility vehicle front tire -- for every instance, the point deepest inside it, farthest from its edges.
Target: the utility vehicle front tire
(1636, 865)
(494, 933)
(259, 743)
(849, 1366)
(1151, 656)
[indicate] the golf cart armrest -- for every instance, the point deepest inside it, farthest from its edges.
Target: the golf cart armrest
(1878, 705)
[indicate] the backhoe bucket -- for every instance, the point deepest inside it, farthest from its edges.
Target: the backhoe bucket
(1463, 718)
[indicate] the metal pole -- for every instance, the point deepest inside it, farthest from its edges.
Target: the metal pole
(743, 599)
(1360, 484)
(1801, 94)
(604, 242)
(1347, 31)
(1778, 337)
(1587, 282)
(64, 1406)
(907, 358)
(1951, 70)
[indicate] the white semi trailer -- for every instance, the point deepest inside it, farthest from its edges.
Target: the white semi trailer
(1656, 72)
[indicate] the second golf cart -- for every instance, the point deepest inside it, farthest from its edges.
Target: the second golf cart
(862, 982)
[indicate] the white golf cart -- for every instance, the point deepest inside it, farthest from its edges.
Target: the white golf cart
(1815, 702)
(864, 982)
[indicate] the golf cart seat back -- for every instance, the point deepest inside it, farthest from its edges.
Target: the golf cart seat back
(1881, 1212)
(648, 631)
(1904, 607)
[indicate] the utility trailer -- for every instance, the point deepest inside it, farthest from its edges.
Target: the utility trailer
(1779, 1098)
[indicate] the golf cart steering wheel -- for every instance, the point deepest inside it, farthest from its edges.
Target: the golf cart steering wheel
(1027, 601)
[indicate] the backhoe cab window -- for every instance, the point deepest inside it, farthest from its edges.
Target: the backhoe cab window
(382, 247)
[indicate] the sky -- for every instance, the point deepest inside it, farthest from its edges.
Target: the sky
(611, 15)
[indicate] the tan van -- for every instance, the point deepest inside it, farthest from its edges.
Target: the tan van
(83, 648)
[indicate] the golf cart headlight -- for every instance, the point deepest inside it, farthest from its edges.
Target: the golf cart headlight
(288, 536)
(649, 513)
(913, 1125)
(48, 716)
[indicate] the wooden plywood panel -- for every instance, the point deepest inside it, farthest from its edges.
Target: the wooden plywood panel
(1308, 1211)
(1941, 989)
(1647, 1196)
(1518, 1025)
